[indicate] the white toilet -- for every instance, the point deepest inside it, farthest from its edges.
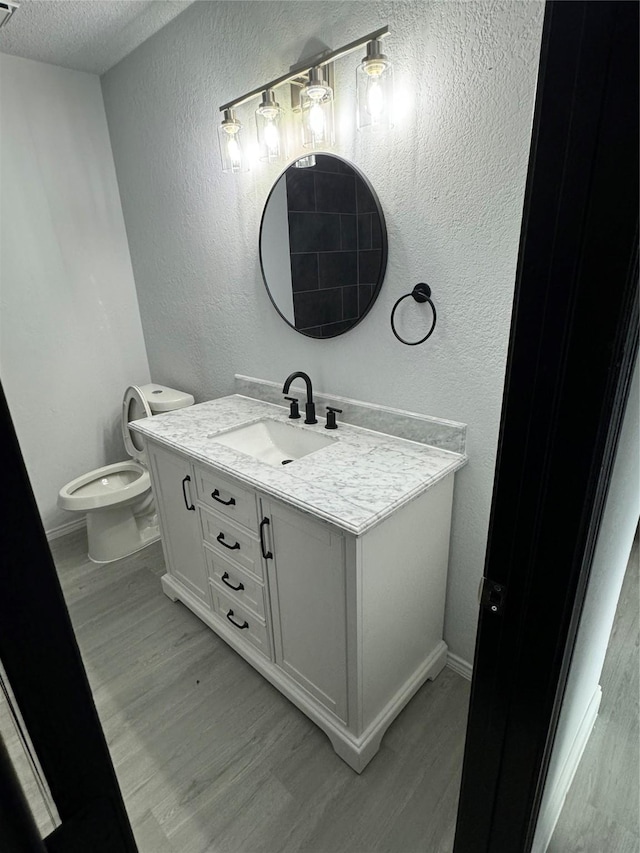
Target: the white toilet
(117, 499)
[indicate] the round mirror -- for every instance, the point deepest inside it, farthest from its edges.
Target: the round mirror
(323, 245)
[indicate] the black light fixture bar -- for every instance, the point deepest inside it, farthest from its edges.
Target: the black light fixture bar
(6, 11)
(300, 70)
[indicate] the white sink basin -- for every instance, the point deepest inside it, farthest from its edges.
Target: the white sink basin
(274, 442)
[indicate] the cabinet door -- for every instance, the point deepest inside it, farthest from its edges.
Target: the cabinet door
(308, 601)
(174, 491)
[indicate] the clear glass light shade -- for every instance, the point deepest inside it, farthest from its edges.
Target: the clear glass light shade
(316, 107)
(230, 139)
(270, 133)
(305, 162)
(374, 79)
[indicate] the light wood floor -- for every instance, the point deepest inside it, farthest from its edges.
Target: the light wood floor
(602, 810)
(211, 757)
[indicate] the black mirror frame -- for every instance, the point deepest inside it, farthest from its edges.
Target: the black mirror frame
(384, 246)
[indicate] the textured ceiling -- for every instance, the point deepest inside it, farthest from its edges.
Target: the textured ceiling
(88, 35)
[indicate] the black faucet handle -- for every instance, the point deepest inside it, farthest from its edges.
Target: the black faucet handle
(294, 409)
(331, 417)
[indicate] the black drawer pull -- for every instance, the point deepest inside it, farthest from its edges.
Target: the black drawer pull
(186, 480)
(220, 539)
(245, 624)
(266, 554)
(215, 494)
(226, 583)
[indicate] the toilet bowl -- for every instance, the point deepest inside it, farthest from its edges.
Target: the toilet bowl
(117, 499)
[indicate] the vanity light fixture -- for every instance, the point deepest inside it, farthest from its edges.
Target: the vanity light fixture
(374, 81)
(230, 138)
(316, 107)
(312, 102)
(268, 116)
(6, 11)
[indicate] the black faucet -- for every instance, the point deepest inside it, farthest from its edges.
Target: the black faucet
(310, 407)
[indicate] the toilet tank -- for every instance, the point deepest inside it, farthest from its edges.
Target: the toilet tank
(163, 399)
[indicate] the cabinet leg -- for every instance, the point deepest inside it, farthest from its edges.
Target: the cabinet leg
(356, 759)
(167, 588)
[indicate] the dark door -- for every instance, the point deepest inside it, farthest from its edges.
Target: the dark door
(42, 661)
(573, 343)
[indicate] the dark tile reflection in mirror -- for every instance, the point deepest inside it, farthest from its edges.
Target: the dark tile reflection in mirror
(337, 245)
(348, 232)
(335, 193)
(330, 209)
(364, 231)
(314, 232)
(304, 271)
(368, 267)
(365, 295)
(350, 303)
(337, 269)
(317, 307)
(301, 191)
(365, 200)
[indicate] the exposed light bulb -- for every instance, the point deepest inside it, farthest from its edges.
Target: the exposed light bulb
(271, 137)
(316, 121)
(374, 89)
(375, 100)
(233, 159)
(316, 102)
(234, 153)
(268, 116)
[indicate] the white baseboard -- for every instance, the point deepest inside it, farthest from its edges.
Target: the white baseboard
(64, 529)
(459, 665)
(553, 800)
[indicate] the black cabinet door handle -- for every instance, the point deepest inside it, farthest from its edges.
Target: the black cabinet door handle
(186, 480)
(245, 624)
(266, 554)
(231, 586)
(215, 494)
(220, 539)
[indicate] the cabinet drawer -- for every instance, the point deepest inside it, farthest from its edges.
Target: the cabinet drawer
(231, 541)
(241, 621)
(226, 576)
(226, 497)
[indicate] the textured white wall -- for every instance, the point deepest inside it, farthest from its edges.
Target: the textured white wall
(70, 333)
(610, 560)
(450, 178)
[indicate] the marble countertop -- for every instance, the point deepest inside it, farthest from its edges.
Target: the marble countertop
(354, 483)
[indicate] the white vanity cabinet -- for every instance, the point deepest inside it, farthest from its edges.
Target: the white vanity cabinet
(307, 584)
(173, 482)
(347, 627)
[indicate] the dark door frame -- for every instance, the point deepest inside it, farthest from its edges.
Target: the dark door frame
(40, 655)
(574, 341)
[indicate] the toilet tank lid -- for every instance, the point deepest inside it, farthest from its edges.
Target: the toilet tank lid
(163, 399)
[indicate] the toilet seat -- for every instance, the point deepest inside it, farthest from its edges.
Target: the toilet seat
(121, 483)
(134, 407)
(117, 499)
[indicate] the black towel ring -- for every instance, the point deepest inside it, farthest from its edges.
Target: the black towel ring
(421, 293)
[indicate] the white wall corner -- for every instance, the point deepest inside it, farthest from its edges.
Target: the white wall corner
(459, 665)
